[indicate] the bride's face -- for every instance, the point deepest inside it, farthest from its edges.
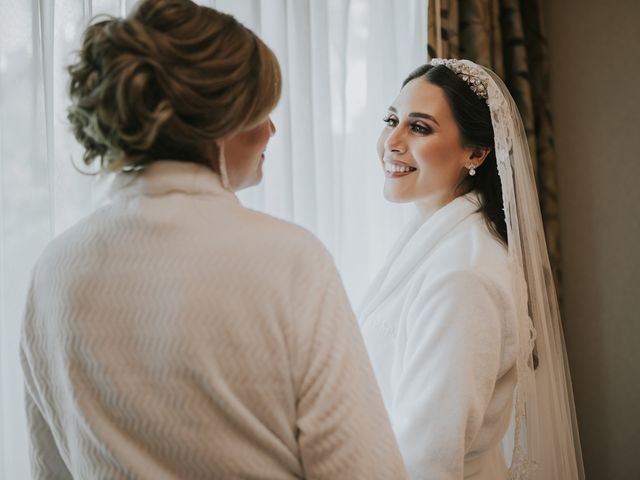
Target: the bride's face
(420, 148)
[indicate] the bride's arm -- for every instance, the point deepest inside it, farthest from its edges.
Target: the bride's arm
(452, 360)
(45, 457)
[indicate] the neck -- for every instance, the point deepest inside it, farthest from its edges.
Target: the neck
(429, 205)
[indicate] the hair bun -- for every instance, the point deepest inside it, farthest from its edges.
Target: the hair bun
(166, 82)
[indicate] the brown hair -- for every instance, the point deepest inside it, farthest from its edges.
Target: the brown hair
(166, 82)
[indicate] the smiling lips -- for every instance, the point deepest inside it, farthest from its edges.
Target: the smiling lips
(397, 169)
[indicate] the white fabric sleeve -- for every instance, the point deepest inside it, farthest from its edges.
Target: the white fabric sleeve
(344, 431)
(46, 462)
(449, 374)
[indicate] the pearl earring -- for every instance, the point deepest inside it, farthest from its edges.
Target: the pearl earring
(472, 170)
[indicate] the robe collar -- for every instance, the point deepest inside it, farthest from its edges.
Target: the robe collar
(412, 247)
(164, 177)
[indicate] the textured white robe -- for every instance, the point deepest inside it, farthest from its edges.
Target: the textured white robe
(174, 334)
(439, 325)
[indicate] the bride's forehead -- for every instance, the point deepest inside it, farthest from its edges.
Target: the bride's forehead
(420, 95)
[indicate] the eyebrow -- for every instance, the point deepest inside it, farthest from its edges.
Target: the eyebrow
(418, 115)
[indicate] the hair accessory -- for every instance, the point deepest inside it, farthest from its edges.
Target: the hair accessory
(470, 74)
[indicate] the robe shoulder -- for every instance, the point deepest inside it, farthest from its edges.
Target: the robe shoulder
(469, 250)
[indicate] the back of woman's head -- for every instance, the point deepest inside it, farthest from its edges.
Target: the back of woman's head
(473, 119)
(166, 82)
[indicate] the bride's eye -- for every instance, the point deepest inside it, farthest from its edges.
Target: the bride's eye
(420, 129)
(390, 121)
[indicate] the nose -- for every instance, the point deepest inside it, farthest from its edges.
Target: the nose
(272, 128)
(394, 141)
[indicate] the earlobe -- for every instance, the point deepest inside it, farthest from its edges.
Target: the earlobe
(478, 156)
(475, 159)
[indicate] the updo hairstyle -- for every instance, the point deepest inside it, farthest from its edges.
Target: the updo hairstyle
(472, 115)
(166, 82)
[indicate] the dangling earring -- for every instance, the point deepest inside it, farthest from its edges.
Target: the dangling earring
(472, 169)
(222, 164)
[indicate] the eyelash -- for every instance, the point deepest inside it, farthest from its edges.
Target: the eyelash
(389, 119)
(421, 129)
(415, 127)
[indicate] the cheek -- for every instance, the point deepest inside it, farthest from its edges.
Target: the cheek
(262, 134)
(258, 137)
(248, 146)
(380, 145)
(435, 154)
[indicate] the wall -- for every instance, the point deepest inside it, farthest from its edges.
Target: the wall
(595, 90)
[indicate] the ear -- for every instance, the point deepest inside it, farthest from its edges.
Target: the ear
(478, 155)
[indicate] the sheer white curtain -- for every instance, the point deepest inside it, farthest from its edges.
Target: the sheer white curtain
(342, 63)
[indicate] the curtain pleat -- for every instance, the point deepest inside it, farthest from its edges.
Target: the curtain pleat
(538, 66)
(46, 18)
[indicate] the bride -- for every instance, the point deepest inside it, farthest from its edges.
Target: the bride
(462, 323)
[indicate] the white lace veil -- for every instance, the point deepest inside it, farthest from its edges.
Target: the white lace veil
(546, 445)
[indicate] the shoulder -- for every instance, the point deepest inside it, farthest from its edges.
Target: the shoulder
(458, 290)
(463, 309)
(278, 253)
(467, 269)
(281, 231)
(471, 251)
(272, 236)
(73, 244)
(468, 282)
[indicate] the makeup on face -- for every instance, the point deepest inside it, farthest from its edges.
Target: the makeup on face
(419, 148)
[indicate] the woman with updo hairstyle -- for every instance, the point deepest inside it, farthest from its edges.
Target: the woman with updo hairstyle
(174, 333)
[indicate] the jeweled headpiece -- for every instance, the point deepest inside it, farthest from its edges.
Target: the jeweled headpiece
(468, 73)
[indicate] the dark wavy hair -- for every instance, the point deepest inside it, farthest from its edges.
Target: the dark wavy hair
(473, 118)
(166, 82)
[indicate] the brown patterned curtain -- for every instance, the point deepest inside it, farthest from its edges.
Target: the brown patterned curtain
(508, 36)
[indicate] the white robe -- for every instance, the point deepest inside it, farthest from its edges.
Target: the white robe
(174, 334)
(440, 329)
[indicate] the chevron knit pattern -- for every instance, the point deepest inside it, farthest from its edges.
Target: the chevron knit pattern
(174, 334)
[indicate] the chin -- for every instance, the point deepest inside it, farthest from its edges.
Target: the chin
(258, 178)
(393, 196)
(247, 182)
